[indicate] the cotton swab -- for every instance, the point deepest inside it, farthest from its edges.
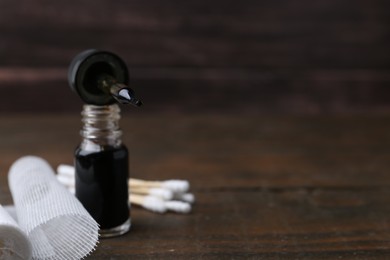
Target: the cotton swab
(187, 197)
(68, 181)
(157, 192)
(148, 202)
(165, 194)
(178, 206)
(157, 196)
(176, 186)
(158, 205)
(154, 203)
(66, 170)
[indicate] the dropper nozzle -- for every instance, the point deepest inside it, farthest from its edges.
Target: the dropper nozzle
(125, 96)
(122, 93)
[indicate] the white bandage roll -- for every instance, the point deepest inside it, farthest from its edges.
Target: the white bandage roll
(55, 222)
(14, 243)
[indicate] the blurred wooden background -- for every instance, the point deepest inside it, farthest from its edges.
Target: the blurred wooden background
(280, 56)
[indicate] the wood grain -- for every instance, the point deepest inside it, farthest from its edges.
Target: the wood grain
(266, 187)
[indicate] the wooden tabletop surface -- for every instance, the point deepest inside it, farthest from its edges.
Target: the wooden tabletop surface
(266, 187)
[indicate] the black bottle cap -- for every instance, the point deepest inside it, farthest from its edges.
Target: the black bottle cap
(85, 69)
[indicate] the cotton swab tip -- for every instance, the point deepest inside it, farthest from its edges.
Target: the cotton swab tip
(154, 204)
(162, 193)
(177, 186)
(178, 206)
(66, 181)
(186, 197)
(66, 170)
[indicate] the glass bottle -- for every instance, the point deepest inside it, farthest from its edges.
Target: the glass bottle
(102, 169)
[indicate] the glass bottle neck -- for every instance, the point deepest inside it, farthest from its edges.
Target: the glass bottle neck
(100, 127)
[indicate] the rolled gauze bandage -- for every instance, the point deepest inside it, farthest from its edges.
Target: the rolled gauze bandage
(14, 244)
(55, 222)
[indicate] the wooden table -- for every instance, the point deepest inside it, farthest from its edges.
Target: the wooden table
(266, 187)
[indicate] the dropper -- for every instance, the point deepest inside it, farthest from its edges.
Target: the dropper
(101, 78)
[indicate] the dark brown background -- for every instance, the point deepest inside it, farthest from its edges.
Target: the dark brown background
(310, 57)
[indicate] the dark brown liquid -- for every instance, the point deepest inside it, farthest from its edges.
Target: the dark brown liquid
(101, 185)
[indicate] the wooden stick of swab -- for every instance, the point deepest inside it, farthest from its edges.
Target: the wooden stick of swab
(177, 186)
(157, 192)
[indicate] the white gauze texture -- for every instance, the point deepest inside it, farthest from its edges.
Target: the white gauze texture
(55, 222)
(14, 244)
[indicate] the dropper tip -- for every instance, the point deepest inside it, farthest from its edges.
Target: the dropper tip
(124, 96)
